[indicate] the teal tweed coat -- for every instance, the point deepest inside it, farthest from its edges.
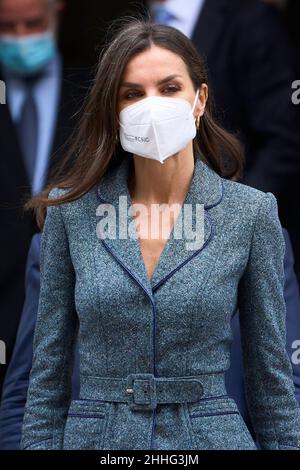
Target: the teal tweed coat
(153, 352)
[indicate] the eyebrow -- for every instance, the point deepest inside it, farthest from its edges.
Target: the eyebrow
(160, 82)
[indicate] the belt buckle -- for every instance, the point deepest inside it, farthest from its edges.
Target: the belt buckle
(141, 391)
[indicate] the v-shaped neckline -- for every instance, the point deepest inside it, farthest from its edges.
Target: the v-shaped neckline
(206, 190)
(170, 239)
(165, 247)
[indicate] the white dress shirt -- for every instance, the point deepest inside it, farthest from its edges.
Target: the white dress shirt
(185, 13)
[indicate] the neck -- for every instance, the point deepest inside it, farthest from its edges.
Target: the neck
(154, 183)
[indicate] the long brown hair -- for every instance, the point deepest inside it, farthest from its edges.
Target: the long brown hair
(94, 147)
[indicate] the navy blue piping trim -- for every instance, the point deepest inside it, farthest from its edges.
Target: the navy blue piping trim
(219, 397)
(154, 373)
(163, 280)
(87, 415)
(127, 270)
(212, 231)
(90, 401)
(154, 320)
(212, 373)
(209, 206)
(214, 414)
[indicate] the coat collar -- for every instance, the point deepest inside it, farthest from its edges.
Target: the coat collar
(205, 188)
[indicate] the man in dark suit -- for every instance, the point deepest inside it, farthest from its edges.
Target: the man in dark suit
(42, 103)
(16, 381)
(251, 65)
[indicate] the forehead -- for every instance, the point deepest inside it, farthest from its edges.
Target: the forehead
(153, 64)
(21, 8)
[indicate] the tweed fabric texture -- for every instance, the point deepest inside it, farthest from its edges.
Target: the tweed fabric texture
(175, 325)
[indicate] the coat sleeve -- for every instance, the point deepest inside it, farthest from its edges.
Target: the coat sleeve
(16, 379)
(274, 411)
(292, 299)
(50, 381)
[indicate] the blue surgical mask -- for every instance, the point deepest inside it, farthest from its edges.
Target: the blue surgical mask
(27, 54)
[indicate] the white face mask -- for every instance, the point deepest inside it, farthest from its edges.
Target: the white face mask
(157, 127)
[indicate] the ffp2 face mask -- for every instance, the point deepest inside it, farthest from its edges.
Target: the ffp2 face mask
(157, 127)
(27, 54)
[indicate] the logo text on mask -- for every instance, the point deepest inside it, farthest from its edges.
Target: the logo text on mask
(136, 138)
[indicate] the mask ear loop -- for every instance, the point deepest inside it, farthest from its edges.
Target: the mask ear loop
(195, 101)
(197, 120)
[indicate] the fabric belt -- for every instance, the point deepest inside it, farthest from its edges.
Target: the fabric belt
(144, 391)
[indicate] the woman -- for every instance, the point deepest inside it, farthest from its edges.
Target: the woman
(153, 314)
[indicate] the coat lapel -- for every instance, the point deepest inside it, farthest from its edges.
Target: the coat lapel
(113, 191)
(205, 189)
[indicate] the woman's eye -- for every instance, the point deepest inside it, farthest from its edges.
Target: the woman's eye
(171, 89)
(132, 94)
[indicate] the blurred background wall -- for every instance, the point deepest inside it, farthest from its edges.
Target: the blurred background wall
(83, 27)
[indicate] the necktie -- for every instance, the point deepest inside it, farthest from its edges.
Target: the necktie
(161, 15)
(28, 128)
